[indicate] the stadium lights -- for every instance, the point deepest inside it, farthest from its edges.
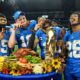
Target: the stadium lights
(45, 16)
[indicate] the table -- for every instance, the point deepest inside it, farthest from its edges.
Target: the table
(46, 76)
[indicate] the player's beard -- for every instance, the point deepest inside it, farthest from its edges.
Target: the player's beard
(73, 25)
(77, 23)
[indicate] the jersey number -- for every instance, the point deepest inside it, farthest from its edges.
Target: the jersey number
(74, 48)
(4, 46)
(25, 42)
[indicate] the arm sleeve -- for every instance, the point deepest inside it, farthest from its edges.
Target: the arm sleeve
(34, 35)
(65, 37)
(31, 41)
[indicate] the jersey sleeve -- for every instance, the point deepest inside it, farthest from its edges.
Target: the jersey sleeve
(32, 23)
(57, 31)
(8, 33)
(37, 34)
(65, 38)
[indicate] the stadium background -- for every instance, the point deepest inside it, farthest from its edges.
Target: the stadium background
(58, 9)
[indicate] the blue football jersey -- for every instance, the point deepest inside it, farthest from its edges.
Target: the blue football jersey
(4, 44)
(72, 41)
(42, 42)
(57, 31)
(23, 35)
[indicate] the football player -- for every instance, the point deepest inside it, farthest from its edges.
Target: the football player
(56, 28)
(38, 26)
(40, 37)
(21, 30)
(4, 36)
(72, 41)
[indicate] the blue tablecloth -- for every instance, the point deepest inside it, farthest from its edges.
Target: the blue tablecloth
(47, 76)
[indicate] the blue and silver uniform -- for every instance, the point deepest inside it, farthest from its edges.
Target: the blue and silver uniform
(4, 44)
(23, 35)
(41, 36)
(42, 40)
(72, 41)
(57, 31)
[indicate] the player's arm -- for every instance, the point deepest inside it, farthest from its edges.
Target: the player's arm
(12, 38)
(64, 50)
(36, 42)
(33, 41)
(63, 54)
(37, 34)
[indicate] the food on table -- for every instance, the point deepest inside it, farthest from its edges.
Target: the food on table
(26, 61)
(37, 69)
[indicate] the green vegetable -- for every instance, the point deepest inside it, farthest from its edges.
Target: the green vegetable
(11, 56)
(33, 59)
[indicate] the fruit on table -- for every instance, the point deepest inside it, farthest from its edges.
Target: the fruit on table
(2, 58)
(1, 62)
(28, 64)
(1, 65)
(23, 60)
(24, 70)
(13, 65)
(5, 70)
(12, 72)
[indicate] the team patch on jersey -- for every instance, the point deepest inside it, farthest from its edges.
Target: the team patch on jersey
(18, 32)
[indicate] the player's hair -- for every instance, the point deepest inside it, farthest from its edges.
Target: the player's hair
(2, 15)
(47, 21)
(22, 13)
(77, 13)
(3, 20)
(40, 17)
